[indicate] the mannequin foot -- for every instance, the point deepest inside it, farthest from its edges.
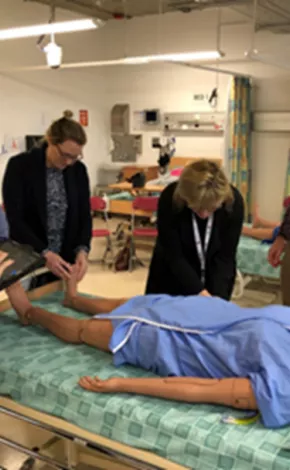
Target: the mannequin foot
(256, 218)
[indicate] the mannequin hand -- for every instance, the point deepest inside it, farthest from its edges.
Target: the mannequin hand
(58, 266)
(94, 384)
(4, 262)
(276, 251)
(204, 293)
(81, 265)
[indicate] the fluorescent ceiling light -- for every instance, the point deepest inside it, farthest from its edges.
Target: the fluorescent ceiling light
(140, 60)
(177, 57)
(49, 28)
(184, 56)
(133, 60)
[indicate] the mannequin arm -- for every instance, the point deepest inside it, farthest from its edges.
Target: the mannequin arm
(233, 392)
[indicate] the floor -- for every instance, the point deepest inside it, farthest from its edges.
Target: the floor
(102, 281)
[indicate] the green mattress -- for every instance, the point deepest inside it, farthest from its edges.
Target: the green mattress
(122, 196)
(252, 259)
(41, 372)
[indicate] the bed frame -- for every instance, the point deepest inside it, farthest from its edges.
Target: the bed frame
(125, 207)
(81, 447)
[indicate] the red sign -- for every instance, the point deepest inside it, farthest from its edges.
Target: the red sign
(84, 117)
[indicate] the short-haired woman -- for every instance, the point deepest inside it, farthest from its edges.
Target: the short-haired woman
(47, 199)
(200, 219)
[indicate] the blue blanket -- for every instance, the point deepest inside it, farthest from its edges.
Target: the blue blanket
(208, 337)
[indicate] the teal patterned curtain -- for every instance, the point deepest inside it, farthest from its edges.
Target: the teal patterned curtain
(239, 140)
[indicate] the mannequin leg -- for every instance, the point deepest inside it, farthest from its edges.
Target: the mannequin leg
(233, 392)
(258, 222)
(264, 223)
(258, 233)
(93, 306)
(88, 305)
(96, 333)
(19, 300)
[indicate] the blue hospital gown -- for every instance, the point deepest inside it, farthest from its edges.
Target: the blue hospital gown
(208, 337)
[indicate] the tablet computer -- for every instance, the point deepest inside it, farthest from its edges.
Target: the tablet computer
(25, 261)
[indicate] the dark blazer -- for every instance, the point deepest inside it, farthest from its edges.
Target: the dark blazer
(24, 197)
(175, 266)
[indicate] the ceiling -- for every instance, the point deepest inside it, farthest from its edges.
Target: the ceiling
(272, 15)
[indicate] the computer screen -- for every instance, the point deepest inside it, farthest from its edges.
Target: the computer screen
(151, 116)
(32, 141)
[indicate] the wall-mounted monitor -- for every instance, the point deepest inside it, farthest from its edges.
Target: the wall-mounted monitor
(151, 116)
(32, 141)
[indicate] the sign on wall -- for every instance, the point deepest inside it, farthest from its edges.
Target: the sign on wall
(11, 145)
(84, 117)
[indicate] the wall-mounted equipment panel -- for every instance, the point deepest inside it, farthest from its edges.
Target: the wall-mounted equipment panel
(126, 148)
(194, 123)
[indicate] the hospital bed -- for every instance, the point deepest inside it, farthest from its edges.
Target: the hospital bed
(120, 203)
(38, 385)
(252, 262)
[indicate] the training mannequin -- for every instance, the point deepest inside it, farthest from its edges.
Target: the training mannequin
(206, 349)
(261, 229)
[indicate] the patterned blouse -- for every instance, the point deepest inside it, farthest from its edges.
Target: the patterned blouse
(56, 209)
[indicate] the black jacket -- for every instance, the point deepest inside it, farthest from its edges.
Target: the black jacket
(24, 197)
(175, 266)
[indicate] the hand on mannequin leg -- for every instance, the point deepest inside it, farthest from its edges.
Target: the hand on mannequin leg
(233, 392)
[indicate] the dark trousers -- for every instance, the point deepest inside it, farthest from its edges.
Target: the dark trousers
(285, 277)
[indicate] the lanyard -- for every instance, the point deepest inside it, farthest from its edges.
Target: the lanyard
(202, 250)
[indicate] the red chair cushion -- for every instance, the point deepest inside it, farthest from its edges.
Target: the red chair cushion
(145, 232)
(98, 233)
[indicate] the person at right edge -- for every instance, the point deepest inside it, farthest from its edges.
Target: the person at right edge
(199, 223)
(280, 247)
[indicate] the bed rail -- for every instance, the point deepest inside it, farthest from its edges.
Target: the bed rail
(72, 440)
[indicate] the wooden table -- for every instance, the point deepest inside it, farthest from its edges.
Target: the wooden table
(124, 186)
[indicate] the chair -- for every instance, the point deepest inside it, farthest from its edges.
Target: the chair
(145, 204)
(98, 204)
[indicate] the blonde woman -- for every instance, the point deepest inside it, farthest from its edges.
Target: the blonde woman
(199, 220)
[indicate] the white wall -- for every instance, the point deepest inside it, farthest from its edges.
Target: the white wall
(270, 150)
(170, 88)
(26, 109)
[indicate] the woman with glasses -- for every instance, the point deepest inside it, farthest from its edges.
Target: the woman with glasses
(47, 199)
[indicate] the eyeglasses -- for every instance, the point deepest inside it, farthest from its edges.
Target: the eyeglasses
(68, 156)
